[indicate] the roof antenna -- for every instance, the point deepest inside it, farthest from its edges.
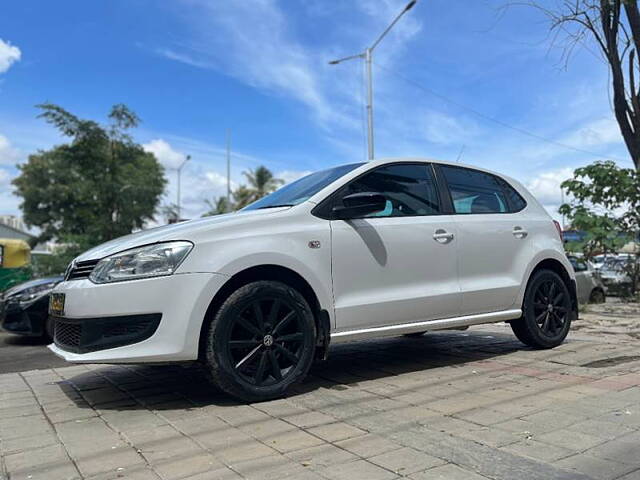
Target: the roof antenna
(460, 154)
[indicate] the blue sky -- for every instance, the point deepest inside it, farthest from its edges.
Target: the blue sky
(193, 68)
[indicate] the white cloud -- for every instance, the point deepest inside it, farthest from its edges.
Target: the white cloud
(545, 186)
(8, 201)
(291, 175)
(447, 130)
(9, 54)
(166, 155)
(595, 133)
(9, 155)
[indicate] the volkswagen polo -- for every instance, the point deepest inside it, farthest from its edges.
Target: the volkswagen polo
(389, 247)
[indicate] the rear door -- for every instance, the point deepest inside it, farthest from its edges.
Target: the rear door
(493, 245)
(399, 265)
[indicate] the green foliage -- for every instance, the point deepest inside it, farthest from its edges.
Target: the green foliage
(217, 206)
(99, 186)
(261, 182)
(606, 205)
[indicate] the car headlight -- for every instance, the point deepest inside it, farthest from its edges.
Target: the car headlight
(156, 260)
(33, 293)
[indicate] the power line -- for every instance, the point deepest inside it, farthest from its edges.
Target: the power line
(521, 131)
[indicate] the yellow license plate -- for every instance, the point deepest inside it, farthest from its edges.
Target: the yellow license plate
(56, 304)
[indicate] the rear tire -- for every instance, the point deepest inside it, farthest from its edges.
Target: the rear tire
(597, 296)
(546, 312)
(261, 341)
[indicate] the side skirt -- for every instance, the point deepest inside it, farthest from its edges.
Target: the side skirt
(429, 325)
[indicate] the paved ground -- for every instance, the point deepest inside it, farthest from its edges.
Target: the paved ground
(21, 354)
(450, 406)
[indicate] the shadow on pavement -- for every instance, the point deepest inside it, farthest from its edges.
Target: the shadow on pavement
(186, 386)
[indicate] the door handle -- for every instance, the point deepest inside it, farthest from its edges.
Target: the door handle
(519, 232)
(442, 236)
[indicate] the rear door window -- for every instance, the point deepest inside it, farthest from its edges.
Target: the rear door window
(473, 191)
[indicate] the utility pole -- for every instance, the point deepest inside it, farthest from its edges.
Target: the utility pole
(188, 157)
(228, 169)
(367, 55)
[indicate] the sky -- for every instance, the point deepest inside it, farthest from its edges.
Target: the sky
(465, 80)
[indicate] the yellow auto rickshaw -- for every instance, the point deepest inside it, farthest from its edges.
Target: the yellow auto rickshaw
(15, 260)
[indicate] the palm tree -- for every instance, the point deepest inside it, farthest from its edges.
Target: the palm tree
(217, 206)
(243, 196)
(261, 182)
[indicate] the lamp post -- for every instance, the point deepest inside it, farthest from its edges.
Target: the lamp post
(188, 157)
(367, 55)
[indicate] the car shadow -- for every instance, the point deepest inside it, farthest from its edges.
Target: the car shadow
(21, 340)
(186, 386)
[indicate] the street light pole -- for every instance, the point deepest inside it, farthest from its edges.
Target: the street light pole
(188, 157)
(367, 55)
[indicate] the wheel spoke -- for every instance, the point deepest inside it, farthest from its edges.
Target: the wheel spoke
(257, 312)
(259, 376)
(541, 306)
(275, 367)
(245, 361)
(556, 300)
(244, 323)
(287, 353)
(243, 343)
(288, 317)
(552, 289)
(273, 313)
(294, 337)
(561, 309)
(545, 325)
(541, 316)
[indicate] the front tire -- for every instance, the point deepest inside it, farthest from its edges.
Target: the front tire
(546, 312)
(597, 296)
(261, 341)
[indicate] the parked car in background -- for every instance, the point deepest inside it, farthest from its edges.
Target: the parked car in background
(614, 276)
(24, 308)
(588, 283)
(374, 249)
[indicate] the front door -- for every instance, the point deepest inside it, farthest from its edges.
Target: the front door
(398, 265)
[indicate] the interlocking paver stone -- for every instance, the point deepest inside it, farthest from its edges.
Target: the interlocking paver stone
(472, 406)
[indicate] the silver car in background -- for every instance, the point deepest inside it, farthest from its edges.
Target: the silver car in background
(590, 288)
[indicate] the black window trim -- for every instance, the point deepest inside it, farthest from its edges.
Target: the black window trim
(324, 208)
(501, 181)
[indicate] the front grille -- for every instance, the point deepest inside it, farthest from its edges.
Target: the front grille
(80, 270)
(122, 329)
(68, 334)
(82, 335)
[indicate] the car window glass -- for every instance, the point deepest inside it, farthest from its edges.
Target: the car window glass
(473, 191)
(410, 189)
(300, 190)
(578, 265)
(516, 202)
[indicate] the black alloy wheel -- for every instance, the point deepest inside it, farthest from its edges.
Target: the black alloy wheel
(547, 311)
(261, 341)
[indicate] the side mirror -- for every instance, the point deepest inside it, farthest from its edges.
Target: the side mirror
(360, 204)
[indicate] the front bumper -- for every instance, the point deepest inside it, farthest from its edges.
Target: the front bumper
(178, 302)
(28, 320)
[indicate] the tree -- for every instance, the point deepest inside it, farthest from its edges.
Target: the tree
(605, 203)
(614, 25)
(99, 186)
(217, 206)
(261, 182)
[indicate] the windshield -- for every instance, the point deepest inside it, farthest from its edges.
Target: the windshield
(303, 188)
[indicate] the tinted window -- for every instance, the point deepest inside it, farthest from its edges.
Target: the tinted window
(473, 191)
(303, 188)
(516, 202)
(410, 189)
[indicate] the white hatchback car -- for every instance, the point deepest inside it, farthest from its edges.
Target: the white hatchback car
(357, 251)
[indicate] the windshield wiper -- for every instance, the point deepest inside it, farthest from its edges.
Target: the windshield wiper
(276, 206)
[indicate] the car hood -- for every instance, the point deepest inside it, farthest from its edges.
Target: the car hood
(178, 231)
(31, 283)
